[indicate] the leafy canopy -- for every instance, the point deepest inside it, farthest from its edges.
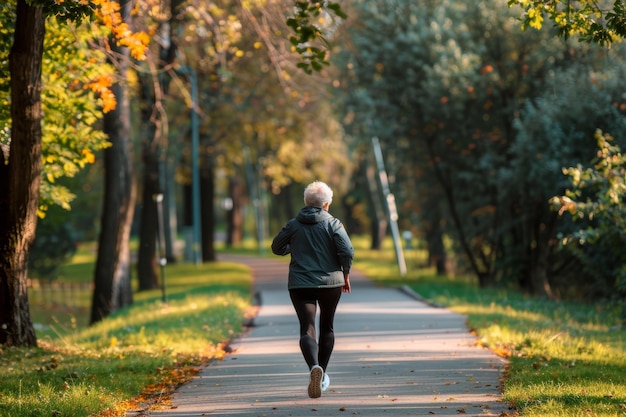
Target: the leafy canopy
(76, 83)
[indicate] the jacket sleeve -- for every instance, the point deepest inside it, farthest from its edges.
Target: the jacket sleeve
(280, 244)
(345, 250)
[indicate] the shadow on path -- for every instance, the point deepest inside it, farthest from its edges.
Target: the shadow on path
(394, 356)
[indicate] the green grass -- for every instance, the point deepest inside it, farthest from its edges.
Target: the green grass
(567, 359)
(133, 358)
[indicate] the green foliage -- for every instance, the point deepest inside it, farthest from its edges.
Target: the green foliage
(476, 120)
(440, 92)
(595, 202)
(604, 187)
(553, 131)
(308, 23)
(71, 107)
(55, 244)
(7, 19)
(73, 71)
(59, 232)
(592, 21)
(67, 10)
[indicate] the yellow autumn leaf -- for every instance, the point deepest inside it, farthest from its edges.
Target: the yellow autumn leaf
(535, 18)
(89, 156)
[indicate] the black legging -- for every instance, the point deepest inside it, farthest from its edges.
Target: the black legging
(305, 301)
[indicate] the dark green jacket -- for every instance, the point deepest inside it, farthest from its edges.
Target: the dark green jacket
(321, 251)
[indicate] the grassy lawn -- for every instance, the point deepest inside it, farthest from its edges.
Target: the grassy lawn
(131, 360)
(566, 359)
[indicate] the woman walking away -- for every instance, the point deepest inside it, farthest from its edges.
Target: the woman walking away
(319, 271)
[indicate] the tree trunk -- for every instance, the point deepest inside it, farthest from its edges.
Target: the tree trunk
(154, 87)
(234, 236)
(483, 272)
(20, 179)
(112, 288)
(207, 193)
(544, 232)
(434, 242)
(379, 224)
(147, 268)
(436, 249)
(287, 203)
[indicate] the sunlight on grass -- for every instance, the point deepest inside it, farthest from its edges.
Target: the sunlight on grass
(141, 351)
(49, 381)
(567, 359)
(185, 325)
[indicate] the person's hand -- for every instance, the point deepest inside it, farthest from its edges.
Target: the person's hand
(346, 283)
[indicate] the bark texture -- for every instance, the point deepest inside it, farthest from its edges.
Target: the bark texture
(20, 177)
(112, 285)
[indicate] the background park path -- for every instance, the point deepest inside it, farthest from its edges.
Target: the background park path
(394, 356)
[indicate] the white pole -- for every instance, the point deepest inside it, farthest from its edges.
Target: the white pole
(390, 200)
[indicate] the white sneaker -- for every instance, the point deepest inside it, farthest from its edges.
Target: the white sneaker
(315, 382)
(325, 382)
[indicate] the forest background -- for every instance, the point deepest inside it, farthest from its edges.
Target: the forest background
(501, 146)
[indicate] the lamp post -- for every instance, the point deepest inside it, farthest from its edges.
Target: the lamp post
(158, 199)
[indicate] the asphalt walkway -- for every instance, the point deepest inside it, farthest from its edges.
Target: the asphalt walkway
(394, 356)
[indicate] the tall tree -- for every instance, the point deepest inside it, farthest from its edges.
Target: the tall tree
(154, 82)
(112, 285)
(21, 159)
(20, 176)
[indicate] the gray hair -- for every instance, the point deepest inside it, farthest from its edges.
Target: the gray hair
(317, 194)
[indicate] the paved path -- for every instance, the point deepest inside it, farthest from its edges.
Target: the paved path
(394, 356)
